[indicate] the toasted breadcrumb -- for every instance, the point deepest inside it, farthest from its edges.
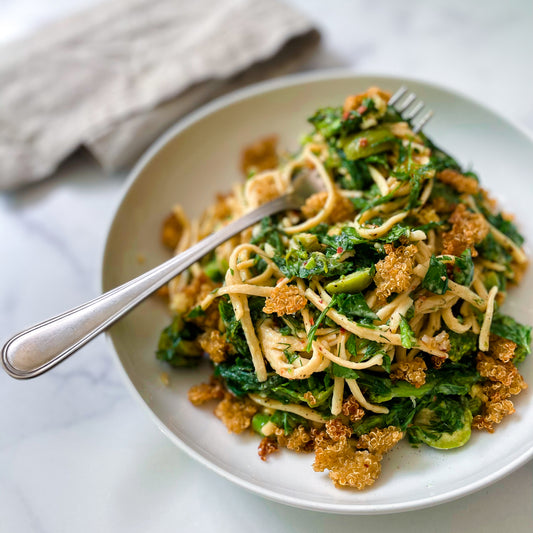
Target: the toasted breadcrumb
(493, 413)
(438, 342)
(300, 440)
(502, 349)
(394, 272)
(458, 181)
(427, 215)
(441, 205)
(223, 209)
(310, 398)
(467, 230)
(495, 370)
(437, 361)
(266, 447)
(182, 301)
(337, 430)
(380, 441)
(204, 392)
(171, 231)
(285, 300)
(342, 211)
(262, 189)
(347, 467)
(352, 409)
(215, 345)
(503, 381)
(261, 155)
(353, 102)
(413, 372)
(236, 413)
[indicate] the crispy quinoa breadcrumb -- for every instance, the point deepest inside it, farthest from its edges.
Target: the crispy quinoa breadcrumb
(300, 440)
(337, 430)
(380, 441)
(354, 102)
(347, 467)
(284, 300)
(214, 344)
(502, 349)
(235, 413)
(260, 155)
(171, 231)
(438, 342)
(342, 211)
(352, 409)
(204, 392)
(495, 370)
(192, 294)
(266, 447)
(262, 189)
(413, 372)
(468, 229)
(395, 271)
(460, 182)
(503, 381)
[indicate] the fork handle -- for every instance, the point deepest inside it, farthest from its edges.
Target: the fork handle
(37, 349)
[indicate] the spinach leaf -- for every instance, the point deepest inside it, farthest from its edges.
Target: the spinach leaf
(177, 344)
(462, 344)
(343, 372)
(463, 268)
(234, 332)
(298, 263)
(240, 378)
(436, 278)
(327, 121)
(490, 249)
(354, 306)
(288, 421)
(268, 233)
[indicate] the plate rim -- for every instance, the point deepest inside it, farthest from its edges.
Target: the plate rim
(181, 125)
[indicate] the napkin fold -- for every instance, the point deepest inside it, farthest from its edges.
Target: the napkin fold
(114, 77)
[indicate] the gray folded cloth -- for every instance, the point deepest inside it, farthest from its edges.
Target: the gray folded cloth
(113, 77)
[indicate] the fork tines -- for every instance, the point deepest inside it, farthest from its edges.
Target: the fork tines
(411, 108)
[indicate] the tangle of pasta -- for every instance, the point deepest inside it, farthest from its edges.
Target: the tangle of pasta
(369, 315)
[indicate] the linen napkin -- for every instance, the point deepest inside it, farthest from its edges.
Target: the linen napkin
(115, 76)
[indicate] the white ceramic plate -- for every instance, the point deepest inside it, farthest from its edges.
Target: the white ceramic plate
(199, 157)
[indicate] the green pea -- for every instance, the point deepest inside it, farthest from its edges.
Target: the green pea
(366, 143)
(352, 283)
(258, 421)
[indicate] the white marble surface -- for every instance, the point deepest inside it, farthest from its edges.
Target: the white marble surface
(77, 454)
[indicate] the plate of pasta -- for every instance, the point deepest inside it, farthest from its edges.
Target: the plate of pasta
(368, 353)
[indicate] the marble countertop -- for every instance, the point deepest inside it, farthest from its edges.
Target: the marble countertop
(77, 453)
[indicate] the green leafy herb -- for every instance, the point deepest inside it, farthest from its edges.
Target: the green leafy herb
(463, 268)
(436, 278)
(314, 328)
(407, 335)
(343, 372)
(354, 306)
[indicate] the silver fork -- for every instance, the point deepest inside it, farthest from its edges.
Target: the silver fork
(37, 349)
(410, 108)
